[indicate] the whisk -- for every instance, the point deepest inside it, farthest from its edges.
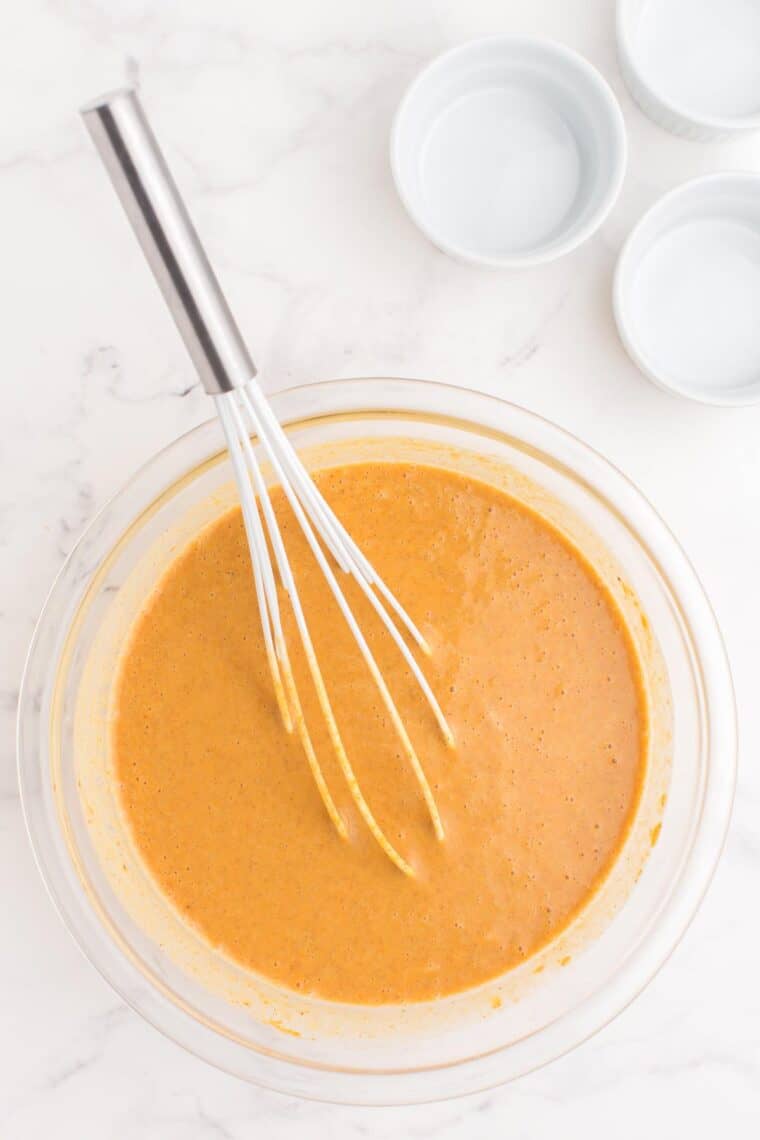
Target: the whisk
(123, 137)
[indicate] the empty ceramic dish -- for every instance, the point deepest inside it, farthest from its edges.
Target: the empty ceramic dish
(692, 65)
(687, 290)
(508, 151)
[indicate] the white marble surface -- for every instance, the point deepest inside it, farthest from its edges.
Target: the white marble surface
(275, 117)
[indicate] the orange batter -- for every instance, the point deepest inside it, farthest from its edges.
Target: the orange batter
(536, 674)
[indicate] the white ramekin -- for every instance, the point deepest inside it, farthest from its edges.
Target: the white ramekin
(691, 65)
(686, 290)
(508, 151)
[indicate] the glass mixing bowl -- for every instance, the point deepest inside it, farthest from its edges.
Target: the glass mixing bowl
(392, 1054)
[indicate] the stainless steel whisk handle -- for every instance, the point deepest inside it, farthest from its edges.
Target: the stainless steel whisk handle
(120, 130)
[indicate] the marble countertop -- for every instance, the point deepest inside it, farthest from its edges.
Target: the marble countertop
(275, 118)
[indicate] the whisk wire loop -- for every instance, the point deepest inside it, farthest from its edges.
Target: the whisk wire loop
(303, 630)
(309, 507)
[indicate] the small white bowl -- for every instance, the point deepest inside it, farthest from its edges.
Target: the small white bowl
(508, 151)
(692, 65)
(687, 290)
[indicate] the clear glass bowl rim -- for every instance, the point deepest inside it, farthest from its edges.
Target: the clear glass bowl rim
(427, 399)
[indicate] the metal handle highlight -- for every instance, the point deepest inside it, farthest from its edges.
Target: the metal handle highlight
(125, 142)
